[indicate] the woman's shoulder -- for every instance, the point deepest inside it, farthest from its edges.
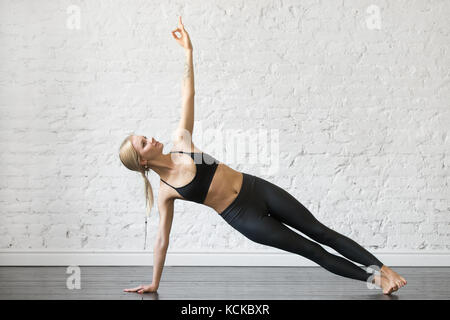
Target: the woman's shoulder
(181, 145)
(166, 192)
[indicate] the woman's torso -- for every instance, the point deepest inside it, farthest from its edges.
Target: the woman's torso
(225, 184)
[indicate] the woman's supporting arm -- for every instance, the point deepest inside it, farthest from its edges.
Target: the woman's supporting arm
(159, 256)
(165, 206)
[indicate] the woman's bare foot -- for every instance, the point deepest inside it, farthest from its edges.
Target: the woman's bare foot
(393, 276)
(385, 283)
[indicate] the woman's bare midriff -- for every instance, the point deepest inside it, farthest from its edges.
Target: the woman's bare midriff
(224, 188)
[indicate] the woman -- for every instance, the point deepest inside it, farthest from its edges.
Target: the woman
(255, 207)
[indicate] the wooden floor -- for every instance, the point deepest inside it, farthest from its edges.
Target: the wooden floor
(229, 283)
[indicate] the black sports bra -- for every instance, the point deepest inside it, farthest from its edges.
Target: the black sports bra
(197, 189)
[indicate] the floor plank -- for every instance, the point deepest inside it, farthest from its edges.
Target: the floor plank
(230, 283)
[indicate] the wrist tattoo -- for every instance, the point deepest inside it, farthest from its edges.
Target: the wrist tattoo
(187, 70)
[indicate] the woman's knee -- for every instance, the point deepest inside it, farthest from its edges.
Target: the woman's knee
(317, 254)
(322, 234)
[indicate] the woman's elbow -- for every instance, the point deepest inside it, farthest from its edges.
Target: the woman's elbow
(162, 243)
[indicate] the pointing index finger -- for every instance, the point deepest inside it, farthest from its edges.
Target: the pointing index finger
(181, 23)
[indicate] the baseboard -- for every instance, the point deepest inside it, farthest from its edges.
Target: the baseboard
(216, 258)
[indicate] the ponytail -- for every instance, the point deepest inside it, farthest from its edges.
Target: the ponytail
(148, 193)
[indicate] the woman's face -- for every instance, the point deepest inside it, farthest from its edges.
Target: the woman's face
(146, 148)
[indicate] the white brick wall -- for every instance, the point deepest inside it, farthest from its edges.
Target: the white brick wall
(362, 113)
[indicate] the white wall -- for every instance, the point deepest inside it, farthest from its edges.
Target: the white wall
(362, 115)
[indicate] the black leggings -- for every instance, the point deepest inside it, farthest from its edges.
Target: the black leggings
(260, 212)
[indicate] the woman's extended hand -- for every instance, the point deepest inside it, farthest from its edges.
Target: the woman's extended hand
(142, 289)
(184, 40)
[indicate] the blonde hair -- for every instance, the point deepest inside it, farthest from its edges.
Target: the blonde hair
(130, 159)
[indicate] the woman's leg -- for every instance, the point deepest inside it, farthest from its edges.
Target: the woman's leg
(284, 207)
(253, 221)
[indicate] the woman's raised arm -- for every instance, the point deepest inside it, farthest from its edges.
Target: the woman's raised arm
(187, 87)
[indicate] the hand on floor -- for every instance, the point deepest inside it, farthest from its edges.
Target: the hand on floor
(143, 289)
